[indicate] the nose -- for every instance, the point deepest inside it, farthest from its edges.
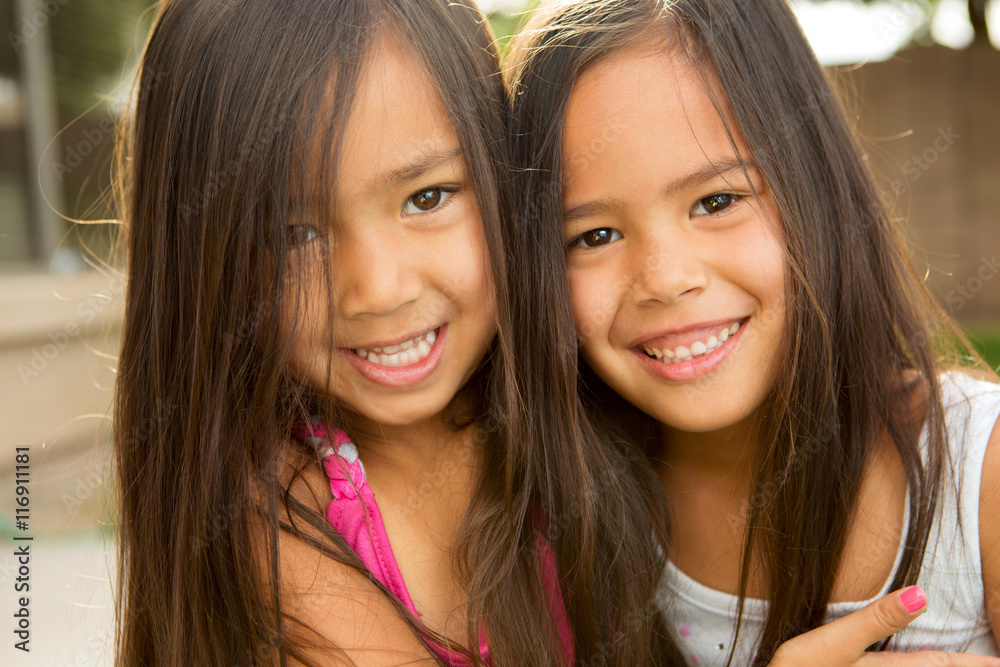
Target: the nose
(666, 268)
(375, 274)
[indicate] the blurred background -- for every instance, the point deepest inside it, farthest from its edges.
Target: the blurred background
(920, 77)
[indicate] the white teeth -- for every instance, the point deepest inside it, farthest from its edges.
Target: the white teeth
(696, 349)
(403, 354)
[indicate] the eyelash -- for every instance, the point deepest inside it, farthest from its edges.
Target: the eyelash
(441, 189)
(578, 242)
(735, 199)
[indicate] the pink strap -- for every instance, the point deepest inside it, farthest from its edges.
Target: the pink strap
(355, 515)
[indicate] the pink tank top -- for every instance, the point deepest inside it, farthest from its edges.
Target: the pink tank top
(355, 515)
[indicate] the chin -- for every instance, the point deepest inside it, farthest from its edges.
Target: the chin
(703, 419)
(404, 414)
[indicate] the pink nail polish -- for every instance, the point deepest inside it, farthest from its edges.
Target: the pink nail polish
(913, 599)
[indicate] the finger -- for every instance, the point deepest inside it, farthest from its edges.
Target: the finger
(886, 616)
(843, 642)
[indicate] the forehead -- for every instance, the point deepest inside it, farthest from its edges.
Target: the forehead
(648, 98)
(396, 117)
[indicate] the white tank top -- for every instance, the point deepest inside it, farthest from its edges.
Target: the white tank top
(703, 620)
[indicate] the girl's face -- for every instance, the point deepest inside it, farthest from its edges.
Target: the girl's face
(413, 309)
(677, 273)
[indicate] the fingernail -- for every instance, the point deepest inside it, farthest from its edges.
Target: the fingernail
(913, 599)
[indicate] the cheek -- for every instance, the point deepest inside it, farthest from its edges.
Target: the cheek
(469, 265)
(761, 255)
(592, 303)
(765, 272)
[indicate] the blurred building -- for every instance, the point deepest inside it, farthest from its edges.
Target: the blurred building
(61, 66)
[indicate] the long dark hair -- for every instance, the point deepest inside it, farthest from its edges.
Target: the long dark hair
(232, 94)
(865, 339)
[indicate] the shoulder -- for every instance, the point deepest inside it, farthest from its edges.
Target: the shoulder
(971, 405)
(347, 618)
(989, 525)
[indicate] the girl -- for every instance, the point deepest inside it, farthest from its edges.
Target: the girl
(317, 233)
(735, 277)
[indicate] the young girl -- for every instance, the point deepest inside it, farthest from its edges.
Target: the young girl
(735, 277)
(344, 433)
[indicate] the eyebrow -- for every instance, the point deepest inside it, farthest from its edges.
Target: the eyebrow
(708, 173)
(417, 167)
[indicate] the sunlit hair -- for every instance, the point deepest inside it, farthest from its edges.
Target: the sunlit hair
(235, 100)
(864, 341)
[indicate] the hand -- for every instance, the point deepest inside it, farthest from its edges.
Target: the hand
(843, 642)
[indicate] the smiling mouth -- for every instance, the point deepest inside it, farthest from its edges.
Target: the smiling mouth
(693, 350)
(407, 353)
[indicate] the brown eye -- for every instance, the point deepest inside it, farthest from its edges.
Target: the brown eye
(596, 238)
(426, 201)
(714, 204)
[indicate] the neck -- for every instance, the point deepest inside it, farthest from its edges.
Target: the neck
(403, 447)
(424, 478)
(689, 461)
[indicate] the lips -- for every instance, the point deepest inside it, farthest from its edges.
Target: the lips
(406, 353)
(691, 353)
(401, 364)
(679, 348)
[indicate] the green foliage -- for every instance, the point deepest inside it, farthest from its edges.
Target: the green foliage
(504, 26)
(986, 339)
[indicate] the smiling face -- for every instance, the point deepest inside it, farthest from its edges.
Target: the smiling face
(677, 272)
(413, 312)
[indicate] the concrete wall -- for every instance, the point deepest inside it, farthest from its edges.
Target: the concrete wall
(930, 120)
(58, 340)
